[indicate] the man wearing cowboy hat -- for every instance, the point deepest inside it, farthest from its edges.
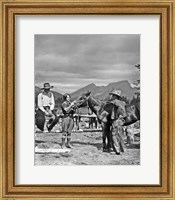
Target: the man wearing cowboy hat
(46, 105)
(117, 115)
(115, 98)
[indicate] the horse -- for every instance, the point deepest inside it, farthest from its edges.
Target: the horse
(111, 126)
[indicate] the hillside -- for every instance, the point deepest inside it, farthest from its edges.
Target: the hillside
(91, 87)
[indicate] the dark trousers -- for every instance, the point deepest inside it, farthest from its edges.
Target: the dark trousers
(40, 119)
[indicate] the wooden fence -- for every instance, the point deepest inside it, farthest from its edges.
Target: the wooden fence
(83, 122)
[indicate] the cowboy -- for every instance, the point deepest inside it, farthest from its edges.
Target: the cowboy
(68, 109)
(115, 99)
(117, 115)
(46, 106)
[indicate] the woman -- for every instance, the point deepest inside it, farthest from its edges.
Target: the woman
(68, 122)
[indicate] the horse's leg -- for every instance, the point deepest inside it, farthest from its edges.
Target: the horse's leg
(104, 131)
(93, 123)
(78, 122)
(109, 137)
(96, 125)
(90, 122)
(74, 123)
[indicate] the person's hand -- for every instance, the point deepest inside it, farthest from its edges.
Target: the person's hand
(49, 112)
(73, 103)
(46, 113)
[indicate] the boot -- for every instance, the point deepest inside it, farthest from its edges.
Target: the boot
(68, 143)
(63, 146)
(111, 151)
(104, 148)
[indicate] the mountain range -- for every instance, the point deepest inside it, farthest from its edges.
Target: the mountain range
(100, 92)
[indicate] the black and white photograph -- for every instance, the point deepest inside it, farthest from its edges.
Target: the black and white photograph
(87, 99)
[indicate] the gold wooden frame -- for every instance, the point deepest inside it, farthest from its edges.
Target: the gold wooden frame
(9, 9)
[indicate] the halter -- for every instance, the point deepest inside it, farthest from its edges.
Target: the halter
(87, 101)
(79, 103)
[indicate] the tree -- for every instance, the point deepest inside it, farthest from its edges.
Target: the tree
(137, 84)
(138, 66)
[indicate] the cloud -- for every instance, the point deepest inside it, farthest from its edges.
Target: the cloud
(69, 61)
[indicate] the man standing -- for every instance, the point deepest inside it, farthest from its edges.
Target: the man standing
(46, 106)
(117, 116)
(68, 122)
(115, 99)
(118, 113)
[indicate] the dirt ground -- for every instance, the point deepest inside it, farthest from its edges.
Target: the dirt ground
(87, 150)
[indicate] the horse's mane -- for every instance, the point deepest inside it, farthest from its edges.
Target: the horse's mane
(96, 102)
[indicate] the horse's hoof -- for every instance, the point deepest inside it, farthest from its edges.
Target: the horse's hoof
(117, 152)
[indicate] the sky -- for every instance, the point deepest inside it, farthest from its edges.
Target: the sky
(70, 62)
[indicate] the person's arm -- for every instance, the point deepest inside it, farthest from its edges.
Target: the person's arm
(52, 102)
(40, 105)
(67, 108)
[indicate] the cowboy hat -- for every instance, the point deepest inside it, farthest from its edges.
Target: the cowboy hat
(46, 86)
(116, 92)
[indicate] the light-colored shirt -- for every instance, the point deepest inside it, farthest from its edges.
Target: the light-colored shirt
(46, 100)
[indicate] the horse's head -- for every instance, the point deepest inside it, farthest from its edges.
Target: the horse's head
(85, 95)
(82, 100)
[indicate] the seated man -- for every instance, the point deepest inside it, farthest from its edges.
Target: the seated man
(46, 105)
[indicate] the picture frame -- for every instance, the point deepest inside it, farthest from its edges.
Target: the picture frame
(10, 9)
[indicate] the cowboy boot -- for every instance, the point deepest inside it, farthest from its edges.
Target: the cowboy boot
(63, 146)
(111, 151)
(68, 143)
